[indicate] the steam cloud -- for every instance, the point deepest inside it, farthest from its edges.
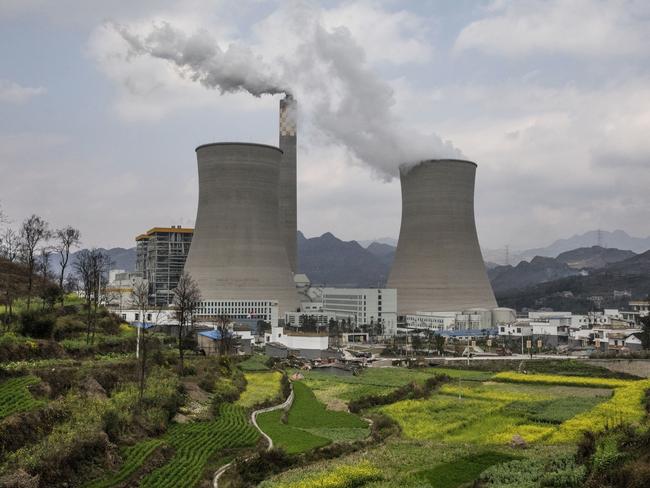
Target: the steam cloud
(337, 92)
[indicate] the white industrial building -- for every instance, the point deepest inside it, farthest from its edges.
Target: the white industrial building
(363, 306)
(260, 309)
(119, 289)
(475, 318)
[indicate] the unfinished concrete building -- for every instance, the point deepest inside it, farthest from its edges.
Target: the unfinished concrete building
(160, 257)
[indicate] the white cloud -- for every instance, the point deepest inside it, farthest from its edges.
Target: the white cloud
(574, 157)
(12, 92)
(575, 27)
(394, 36)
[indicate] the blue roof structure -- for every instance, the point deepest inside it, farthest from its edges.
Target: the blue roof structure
(212, 334)
(141, 325)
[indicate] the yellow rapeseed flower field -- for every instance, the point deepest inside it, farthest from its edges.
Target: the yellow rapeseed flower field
(341, 477)
(550, 379)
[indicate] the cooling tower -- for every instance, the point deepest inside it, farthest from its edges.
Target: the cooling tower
(288, 224)
(238, 251)
(438, 264)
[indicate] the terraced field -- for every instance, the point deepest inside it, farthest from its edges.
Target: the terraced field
(196, 443)
(15, 396)
(134, 457)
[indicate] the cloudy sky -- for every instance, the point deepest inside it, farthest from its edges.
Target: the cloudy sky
(550, 98)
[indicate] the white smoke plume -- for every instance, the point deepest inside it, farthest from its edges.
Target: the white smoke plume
(337, 92)
(200, 58)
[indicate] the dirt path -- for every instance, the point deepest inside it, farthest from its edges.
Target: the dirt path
(286, 404)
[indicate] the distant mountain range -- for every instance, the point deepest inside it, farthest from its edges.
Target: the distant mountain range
(120, 259)
(617, 239)
(582, 261)
(576, 292)
(328, 260)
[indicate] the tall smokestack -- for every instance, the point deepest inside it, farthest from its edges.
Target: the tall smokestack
(238, 251)
(287, 189)
(438, 264)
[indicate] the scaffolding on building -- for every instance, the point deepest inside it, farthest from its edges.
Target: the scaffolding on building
(160, 258)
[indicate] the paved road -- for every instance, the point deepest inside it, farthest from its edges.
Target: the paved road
(286, 404)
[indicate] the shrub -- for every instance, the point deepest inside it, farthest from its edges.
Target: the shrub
(410, 391)
(607, 454)
(109, 324)
(224, 392)
(67, 326)
(36, 324)
(264, 464)
(383, 426)
(207, 382)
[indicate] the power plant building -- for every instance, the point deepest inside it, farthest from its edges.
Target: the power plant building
(238, 251)
(438, 265)
(160, 257)
(363, 306)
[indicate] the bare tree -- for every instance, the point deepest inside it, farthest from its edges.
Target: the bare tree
(33, 231)
(71, 284)
(185, 301)
(91, 267)
(83, 267)
(223, 323)
(140, 301)
(66, 239)
(44, 268)
(10, 245)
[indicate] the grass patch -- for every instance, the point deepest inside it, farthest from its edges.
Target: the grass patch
(461, 471)
(291, 439)
(257, 362)
(309, 424)
(307, 412)
(554, 411)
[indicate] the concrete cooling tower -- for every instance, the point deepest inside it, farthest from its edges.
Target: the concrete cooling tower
(288, 224)
(238, 251)
(438, 263)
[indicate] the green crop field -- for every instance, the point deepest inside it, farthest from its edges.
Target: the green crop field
(461, 471)
(492, 414)
(134, 457)
(196, 443)
(336, 391)
(310, 424)
(260, 387)
(15, 396)
(466, 428)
